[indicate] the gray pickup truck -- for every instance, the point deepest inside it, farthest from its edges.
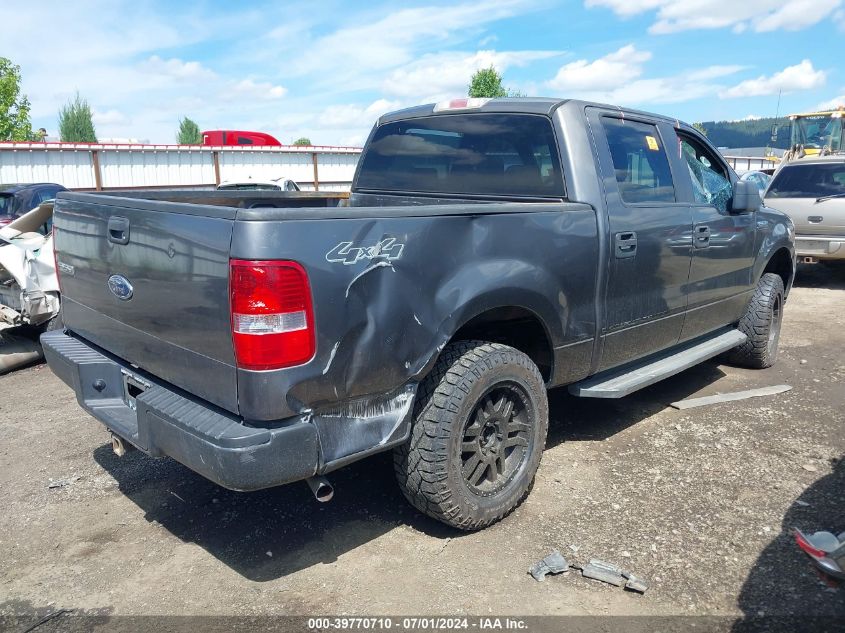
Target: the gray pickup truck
(490, 250)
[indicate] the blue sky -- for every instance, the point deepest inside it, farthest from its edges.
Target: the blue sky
(326, 70)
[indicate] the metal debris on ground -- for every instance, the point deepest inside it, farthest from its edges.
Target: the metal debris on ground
(635, 583)
(730, 397)
(61, 483)
(606, 572)
(554, 563)
(596, 569)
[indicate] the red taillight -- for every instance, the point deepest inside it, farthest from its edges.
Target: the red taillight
(805, 545)
(272, 315)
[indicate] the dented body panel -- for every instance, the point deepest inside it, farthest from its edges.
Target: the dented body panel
(380, 321)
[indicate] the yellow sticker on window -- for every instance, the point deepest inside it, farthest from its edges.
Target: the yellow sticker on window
(652, 143)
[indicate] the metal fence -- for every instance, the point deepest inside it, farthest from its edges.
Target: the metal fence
(97, 167)
(752, 163)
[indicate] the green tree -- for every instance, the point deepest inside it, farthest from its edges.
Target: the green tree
(76, 123)
(189, 132)
(14, 107)
(486, 82)
(303, 141)
(700, 128)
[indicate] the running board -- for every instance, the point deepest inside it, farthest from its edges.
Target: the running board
(617, 383)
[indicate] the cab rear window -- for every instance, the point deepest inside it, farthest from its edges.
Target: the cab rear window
(811, 180)
(465, 154)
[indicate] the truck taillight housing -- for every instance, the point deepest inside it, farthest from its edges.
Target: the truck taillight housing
(272, 314)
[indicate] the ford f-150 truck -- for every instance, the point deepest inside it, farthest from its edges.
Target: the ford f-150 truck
(490, 250)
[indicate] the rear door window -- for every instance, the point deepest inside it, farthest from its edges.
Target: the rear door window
(471, 154)
(639, 160)
(811, 180)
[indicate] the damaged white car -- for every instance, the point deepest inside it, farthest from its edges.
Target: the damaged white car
(29, 288)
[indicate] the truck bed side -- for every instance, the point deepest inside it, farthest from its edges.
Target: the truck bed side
(390, 285)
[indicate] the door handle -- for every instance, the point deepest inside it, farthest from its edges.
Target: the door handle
(625, 244)
(118, 230)
(701, 236)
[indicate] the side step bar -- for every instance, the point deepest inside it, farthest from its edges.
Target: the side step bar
(616, 383)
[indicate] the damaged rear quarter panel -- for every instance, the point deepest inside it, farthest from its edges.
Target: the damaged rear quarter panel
(382, 318)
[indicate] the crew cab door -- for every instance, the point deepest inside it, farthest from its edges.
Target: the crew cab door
(650, 240)
(723, 242)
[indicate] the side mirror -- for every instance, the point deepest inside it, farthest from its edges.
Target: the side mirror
(746, 198)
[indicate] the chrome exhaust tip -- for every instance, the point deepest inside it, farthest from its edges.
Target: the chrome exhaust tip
(118, 446)
(322, 489)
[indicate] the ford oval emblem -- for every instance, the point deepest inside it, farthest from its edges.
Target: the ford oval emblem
(120, 287)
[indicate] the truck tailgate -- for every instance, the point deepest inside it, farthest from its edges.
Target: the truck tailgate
(148, 282)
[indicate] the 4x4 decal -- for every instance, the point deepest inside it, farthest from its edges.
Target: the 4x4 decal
(347, 254)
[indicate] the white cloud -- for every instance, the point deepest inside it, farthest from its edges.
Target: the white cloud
(617, 78)
(684, 86)
(799, 77)
(352, 115)
(255, 89)
(795, 15)
(832, 104)
(109, 117)
(177, 69)
(760, 15)
(388, 41)
(439, 76)
(606, 73)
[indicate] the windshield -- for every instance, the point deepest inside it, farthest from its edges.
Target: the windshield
(808, 181)
(475, 154)
(817, 131)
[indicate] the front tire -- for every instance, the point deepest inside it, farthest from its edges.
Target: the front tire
(761, 324)
(479, 431)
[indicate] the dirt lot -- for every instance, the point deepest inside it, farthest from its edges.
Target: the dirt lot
(697, 501)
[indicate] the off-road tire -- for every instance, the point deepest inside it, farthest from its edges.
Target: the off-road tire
(761, 324)
(465, 381)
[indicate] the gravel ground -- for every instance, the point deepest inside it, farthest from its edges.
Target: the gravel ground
(698, 501)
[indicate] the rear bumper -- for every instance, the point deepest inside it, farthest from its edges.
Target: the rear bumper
(166, 421)
(821, 247)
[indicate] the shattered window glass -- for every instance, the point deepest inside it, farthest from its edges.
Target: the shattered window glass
(710, 184)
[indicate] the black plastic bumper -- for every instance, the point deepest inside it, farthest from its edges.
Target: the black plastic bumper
(165, 421)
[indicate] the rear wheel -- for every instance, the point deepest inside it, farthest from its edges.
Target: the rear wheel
(761, 324)
(480, 427)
